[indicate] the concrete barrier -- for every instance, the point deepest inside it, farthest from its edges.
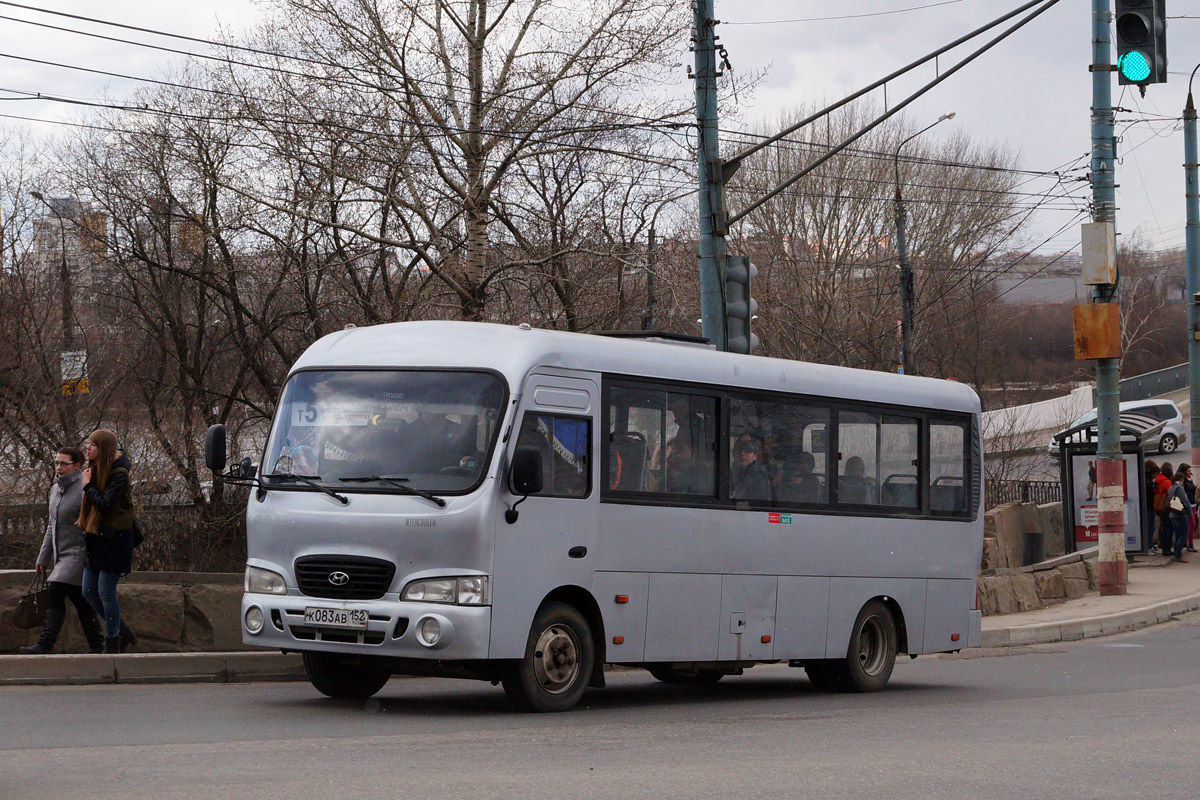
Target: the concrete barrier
(172, 612)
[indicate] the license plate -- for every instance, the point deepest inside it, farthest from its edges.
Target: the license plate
(336, 617)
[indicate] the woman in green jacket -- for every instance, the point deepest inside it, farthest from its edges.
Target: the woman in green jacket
(107, 518)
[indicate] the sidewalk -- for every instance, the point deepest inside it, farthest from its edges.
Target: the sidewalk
(1157, 591)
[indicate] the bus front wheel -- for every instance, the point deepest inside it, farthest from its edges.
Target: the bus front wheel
(557, 665)
(343, 678)
(870, 657)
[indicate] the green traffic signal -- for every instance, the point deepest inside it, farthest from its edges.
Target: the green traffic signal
(1134, 66)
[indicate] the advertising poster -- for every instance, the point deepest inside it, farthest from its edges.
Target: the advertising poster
(1083, 496)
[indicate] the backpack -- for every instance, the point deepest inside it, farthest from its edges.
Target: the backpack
(1160, 502)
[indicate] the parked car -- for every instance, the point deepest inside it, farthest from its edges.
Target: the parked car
(1166, 440)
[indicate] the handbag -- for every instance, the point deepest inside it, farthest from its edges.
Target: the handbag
(31, 608)
(1160, 503)
(1176, 505)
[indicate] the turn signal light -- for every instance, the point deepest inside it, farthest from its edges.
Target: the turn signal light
(622, 598)
(954, 637)
(766, 640)
(618, 640)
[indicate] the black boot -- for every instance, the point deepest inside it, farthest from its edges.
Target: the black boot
(111, 646)
(93, 630)
(50, 629)
(128, 637)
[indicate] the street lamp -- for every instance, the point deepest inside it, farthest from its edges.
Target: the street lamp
(906, 278)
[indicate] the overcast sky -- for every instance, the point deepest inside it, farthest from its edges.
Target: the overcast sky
(1031, 93)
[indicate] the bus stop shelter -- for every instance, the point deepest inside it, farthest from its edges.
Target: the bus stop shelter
(1078, 448)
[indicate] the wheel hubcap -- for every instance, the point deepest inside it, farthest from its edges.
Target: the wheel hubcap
(872, 646)
(556, 659)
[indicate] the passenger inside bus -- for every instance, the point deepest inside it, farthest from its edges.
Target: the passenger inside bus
(798, 484)
(853, 487)
(749, 479)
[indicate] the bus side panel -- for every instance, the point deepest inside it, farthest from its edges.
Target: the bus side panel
(747, 618)
(684, 612)
(947, 612)
(802, 617)
(847, 596)
(624, 621)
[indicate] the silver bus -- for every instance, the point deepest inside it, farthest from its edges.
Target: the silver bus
(525, 506)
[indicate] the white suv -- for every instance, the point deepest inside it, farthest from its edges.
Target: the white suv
(1166, 440)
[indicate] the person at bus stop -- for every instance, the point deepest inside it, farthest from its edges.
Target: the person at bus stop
(1150, 480)
(1091, 480)
(1180, 508)
(749, 479)
(63, 554)
(106, 516)
(1162, 488)
(1190, 487)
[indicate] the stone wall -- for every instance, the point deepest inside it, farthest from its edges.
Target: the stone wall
(172, 612)
(1006, 584)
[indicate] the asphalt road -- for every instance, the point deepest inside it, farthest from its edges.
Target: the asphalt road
(1107, 718)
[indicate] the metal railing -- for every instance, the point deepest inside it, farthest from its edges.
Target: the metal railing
(1153, 384)
(999, 492)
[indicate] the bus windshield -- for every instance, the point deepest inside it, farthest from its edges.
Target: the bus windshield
(385, 430)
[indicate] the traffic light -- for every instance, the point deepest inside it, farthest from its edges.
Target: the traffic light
(1141, 27)
(740, 305)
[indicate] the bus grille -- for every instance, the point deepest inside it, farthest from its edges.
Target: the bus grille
(369, 578)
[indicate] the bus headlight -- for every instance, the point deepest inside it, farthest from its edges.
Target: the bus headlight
(254, 619)
(471, 590)
(264, 581)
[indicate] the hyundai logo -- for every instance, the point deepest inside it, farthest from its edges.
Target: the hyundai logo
(339, 578)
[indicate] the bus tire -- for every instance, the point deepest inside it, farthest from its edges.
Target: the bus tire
(872, 652)
(558, 661)
(701, 677)
(343, 678)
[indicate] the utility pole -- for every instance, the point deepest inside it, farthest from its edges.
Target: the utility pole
(649, 321)
(1190, 166)
(907, 295)
(713, 219)
(1102, 315)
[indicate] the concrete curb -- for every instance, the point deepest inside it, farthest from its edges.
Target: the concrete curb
(149, 668)
(1092, 627)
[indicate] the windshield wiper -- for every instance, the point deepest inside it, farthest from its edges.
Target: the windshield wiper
(397, 483)
(310, 480)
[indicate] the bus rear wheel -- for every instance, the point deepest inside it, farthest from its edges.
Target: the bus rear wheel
(343, 678)
(870, 658)
(700, 677)
(557, 665)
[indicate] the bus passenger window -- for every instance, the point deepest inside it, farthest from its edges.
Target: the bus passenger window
(661, 441)
(899, 461)
(947, 468)
(858, 441)
(565, 444)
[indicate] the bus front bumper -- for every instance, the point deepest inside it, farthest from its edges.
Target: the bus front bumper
(399, 629)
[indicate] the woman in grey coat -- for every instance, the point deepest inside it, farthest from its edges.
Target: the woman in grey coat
(62, 554)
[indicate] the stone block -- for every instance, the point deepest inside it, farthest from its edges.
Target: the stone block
(1050, 585)
(212, 620)
(170, 668)
(1024, 589)
(155, 612)
(995, 595)
(1050, 523)
(1093, 574)
(55, 669)
(1075, 587)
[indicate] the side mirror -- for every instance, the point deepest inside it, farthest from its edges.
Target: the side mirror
(214, 448)
(527, 471)
(526, 478)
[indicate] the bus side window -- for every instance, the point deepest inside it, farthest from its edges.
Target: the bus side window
(565, 444)
(947, 468)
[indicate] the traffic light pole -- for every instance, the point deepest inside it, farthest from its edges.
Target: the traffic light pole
(1190, 166)
(713, 219)
(1110, 467)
